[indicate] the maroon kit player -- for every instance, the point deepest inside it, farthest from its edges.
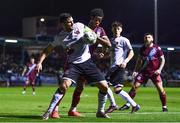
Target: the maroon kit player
(149, 65)
(30, 74)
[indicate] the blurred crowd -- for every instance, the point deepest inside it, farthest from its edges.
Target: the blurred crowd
(12, 67)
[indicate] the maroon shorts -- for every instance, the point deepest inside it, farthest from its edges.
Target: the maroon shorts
(31, 79)
(143, 78)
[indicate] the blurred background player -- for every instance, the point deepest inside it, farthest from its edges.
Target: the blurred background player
(121, 54)
(149, 65)
(74, 37)
(30, 74)
(96, 16)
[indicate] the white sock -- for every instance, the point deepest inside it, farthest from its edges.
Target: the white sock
(127, 98)
(73, 109)
(110, 96)
(128, 104)
(101, 101)
(56, 108)
(54, 101)
(164, 106)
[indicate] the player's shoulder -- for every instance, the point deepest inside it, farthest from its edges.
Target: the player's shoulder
(157, 46)
(78, 24)
(124, 38)
(28, 64)
(100, 28)
(61, 35)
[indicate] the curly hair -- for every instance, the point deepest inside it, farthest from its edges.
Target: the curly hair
(97, 12)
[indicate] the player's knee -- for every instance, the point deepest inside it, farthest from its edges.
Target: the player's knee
(136, 86)
(65, 85)
(79, 88)
(162, 92)
(117, 90)
(103, 86)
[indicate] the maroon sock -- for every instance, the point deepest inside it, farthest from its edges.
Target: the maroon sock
(163, 98)
(132, 93)
(76, 98)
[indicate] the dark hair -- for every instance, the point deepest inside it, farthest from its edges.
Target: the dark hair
(64, 16)
(148, 33)
(116, 24)
(97, 12)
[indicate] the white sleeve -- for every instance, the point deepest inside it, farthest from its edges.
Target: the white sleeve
(58, 40)
(128, 44)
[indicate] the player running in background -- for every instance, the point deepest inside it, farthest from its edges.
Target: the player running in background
(96, 16)
(121, 54)
(30, 73)
(149, 65)
(75, 37)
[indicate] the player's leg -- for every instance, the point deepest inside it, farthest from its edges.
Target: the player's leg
(55, 113)
(102, 97)
(132, 93)
(118, 90)
(162, 94)
(25, 86)
(71, 74)
(76, 97)
(113, 106)
(117, 79)
(57, 97)
(93, 75)
(32, 81)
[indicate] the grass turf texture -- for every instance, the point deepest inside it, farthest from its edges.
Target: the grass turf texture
(15, 107)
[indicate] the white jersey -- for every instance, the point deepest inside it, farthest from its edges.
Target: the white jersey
(74, 41)
(119, 50)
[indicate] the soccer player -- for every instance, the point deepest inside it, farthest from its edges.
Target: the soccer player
(121, 54)
(96, 16)
(74, 37)
(149, 65)
(30, 73)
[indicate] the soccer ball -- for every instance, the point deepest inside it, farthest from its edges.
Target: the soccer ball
(90, 37)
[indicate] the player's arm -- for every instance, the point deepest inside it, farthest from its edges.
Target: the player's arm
(104, 41)
(129, 57)
(138, 64)
(24, 70)
(162, 62)
(43, 55)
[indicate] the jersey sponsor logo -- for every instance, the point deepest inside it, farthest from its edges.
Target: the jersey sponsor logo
(76, 31)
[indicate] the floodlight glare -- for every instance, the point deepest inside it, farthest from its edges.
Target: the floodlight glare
(170, 48)
(11, 41)
(42, 19)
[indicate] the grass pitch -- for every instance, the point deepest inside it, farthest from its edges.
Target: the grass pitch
(15, 107)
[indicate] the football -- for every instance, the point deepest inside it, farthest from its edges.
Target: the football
(90, 37)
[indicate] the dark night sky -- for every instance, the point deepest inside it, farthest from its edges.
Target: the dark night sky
(137, 16)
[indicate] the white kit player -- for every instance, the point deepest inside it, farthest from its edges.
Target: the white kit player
(121, 54)
(75, 37)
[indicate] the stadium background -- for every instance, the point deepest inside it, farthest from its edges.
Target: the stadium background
(20, 20)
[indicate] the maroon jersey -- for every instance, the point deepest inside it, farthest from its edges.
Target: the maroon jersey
(31, 71)
(100, 32)
(150, 56)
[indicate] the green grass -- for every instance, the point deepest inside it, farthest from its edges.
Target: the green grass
(15, 107)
